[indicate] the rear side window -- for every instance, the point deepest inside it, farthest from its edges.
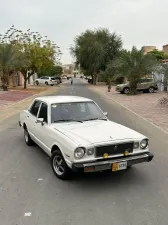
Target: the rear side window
(35, 107)
(43, 112)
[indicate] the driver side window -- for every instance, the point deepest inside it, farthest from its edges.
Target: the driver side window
(35, 107)
(43, 112)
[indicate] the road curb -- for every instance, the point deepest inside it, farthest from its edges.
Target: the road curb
(130, 110)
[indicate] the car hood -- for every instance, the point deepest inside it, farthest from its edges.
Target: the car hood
(122, 85)
(93, 132)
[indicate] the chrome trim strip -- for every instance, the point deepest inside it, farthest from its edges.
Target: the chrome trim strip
(113, 161)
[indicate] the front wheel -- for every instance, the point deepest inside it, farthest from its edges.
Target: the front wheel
(59, 166)
(126, 90)
(151, 90)
(37, 83)
(27, 137)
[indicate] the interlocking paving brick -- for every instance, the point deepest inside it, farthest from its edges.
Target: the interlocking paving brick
(145, 105)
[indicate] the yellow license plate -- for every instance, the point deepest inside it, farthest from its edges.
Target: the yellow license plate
(119, 166)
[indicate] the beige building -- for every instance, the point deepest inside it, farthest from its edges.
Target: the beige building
(147, 49)
(165, 49)
(68, 69)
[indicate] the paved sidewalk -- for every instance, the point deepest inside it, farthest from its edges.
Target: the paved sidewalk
(10, 97)
(145, 105)
(13, 101)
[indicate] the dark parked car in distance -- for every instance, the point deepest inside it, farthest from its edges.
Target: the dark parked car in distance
(58, 79)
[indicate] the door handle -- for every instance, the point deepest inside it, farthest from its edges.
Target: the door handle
(27, 117)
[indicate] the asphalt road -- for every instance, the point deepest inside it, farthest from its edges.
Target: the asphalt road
(30, 194)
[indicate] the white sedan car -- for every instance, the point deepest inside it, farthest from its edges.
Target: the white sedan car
(78, 136)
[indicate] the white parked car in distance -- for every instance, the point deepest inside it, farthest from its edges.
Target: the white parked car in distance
(78, 136)
(46, 80)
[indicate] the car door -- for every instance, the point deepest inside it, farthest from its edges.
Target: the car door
(40, 80)
(32, 117)
(140, 85)
(42, 129)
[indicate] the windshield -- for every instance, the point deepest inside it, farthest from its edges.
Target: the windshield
(75, 111)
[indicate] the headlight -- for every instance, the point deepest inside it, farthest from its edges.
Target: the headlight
(136, 145)
(79, 153)
(144, 143)
(90, 151)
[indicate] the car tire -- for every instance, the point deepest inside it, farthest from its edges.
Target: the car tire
(59, 166)
(37, 83)
(151, 90)
(46, 83)
(126, 90)
(27, 137)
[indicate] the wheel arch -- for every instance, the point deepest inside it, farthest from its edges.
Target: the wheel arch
(151, 87)
(56, 147)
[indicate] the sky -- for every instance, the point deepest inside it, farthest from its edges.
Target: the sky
(139, 22)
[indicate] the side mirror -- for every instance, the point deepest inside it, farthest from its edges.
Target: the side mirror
(105, 113)
(40, 120)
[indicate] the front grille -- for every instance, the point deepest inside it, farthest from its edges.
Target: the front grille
(114, 149)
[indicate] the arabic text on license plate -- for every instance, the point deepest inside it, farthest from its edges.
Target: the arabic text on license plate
(119, 166)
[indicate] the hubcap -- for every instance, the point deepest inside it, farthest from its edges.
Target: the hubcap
(151, 90)
(126, 91)
(26, 135)
(58, 165)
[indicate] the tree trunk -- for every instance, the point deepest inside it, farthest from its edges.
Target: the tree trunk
(95, 79)
(133, 86)
(25, 83)
(5, 87)
(109, 83)
(4, 80)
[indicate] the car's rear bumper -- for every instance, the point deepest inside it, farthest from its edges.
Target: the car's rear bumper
(107, 164)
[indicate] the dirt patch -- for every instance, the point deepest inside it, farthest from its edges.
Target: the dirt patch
(146, 105)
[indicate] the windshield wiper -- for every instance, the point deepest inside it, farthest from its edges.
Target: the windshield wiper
(97, 119)
(71, 120)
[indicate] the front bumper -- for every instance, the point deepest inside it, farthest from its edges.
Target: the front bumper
(107, 164)
(118, 89)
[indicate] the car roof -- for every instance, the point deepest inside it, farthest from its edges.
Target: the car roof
(62, 99)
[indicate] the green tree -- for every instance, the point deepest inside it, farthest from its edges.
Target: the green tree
(135, 65)
(93, 50)
(57, 70)
(8, 62)
(26, 52)
(37, 54)
(51, 71)
(111, 72)
(160, 55)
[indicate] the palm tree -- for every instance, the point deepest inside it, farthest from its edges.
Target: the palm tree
(112, 71)
(136, 65)
(8, 59)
